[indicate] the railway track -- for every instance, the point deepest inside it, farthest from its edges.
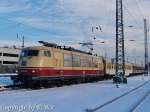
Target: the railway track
(12, 87)
(121, 96)
(38, 87)
(140, 102)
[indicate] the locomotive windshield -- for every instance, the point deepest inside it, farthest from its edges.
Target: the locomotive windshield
(26, 53)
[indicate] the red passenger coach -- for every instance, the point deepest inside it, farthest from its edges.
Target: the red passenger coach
(138, 70)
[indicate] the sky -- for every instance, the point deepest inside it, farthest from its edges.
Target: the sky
(69, 22)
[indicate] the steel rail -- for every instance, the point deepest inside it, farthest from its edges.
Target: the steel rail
(115, 99)
(140, 101)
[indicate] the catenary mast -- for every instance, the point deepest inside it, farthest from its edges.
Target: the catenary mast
(120, 52)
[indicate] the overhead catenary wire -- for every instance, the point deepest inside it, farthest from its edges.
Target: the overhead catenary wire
(84, 22)
(132, 16)
(19, 23)
(139, 9)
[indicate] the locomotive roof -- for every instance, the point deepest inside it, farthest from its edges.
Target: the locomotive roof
(38, 48)
(63, 49)
(54, 45)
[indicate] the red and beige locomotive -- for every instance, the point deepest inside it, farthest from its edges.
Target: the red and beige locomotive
(51, 63)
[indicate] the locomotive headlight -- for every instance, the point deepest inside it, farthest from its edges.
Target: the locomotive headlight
(33, 71)
(16, 71)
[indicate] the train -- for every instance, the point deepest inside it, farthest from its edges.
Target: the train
(51, 63)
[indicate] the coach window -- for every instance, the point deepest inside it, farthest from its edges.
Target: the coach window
(76, 61)
(95, 63)
(67, 60)
(90, 62)
(47, 53)
(84, 62)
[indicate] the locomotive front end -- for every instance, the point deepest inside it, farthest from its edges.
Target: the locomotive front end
(34, 63)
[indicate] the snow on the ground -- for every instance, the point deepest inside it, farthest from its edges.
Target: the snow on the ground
(8, 74)
(144, 106)
(126, 103)
(74, 98)
(5, 81)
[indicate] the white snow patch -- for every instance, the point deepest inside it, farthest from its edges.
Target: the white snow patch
(74, 98)
(5, 79)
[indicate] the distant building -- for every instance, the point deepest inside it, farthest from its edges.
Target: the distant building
(9, 56)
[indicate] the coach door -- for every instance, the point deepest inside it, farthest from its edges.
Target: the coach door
(101, 66)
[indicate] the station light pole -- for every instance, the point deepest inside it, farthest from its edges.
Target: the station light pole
(146, 47)
(22, 42)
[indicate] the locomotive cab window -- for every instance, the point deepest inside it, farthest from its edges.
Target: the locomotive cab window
(26, 53)
(47, 53)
